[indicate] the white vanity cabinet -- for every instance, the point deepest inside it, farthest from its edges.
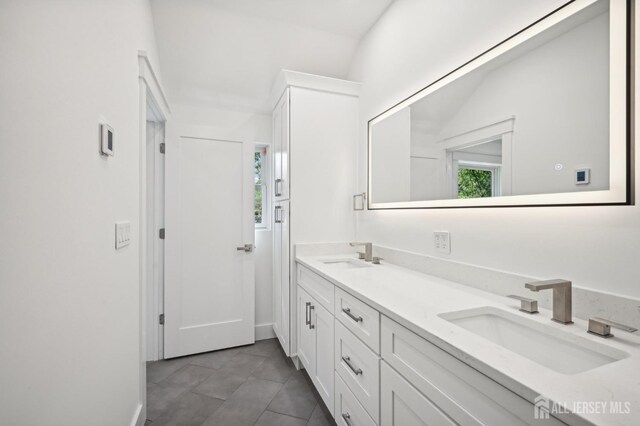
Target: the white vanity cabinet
(315, 344)
(402, 404)
(462, 393)
(359, 368)
(306, 334)
(315, 130)
(371, 370)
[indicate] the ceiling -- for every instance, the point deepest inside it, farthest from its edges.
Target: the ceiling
(227, 53)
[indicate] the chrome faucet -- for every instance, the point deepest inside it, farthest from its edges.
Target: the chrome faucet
(368, 250)
(561, 297)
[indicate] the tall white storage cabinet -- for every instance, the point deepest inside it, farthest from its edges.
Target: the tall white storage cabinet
(315, 129)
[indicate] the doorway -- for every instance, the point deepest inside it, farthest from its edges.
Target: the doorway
(209, 271)
(155, 177)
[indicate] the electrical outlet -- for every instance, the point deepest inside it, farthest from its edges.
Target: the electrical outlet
(442, 242)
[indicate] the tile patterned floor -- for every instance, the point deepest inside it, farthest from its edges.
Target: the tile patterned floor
(249, 385)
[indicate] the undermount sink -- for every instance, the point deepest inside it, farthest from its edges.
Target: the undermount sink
(543, 344)
(345, 263)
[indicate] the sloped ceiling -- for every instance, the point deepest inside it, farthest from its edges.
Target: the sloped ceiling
(227, 53)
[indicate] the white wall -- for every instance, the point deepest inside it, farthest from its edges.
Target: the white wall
(391, 158)
(69, 302)
(235, 125)
(413, 44)
(568, 92)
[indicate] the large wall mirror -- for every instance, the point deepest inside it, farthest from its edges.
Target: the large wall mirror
(540, 119)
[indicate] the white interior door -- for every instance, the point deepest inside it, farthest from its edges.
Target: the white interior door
(209, 283)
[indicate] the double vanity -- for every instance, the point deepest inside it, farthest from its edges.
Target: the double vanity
(389, 345)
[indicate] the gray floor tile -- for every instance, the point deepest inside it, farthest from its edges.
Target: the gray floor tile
(189, 410)
(269, 418)
(321, 417)
(277, 367)
(246, 404)
(160, 397)
(267, 347)
(215, 359)
(189, 376)
(234, 414)
(221, 384)
(311, 385)
(295, 398)
(256, 391)
(242, 364)
(157, 371)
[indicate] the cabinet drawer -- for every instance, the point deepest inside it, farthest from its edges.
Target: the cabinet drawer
(319, 288)
(348, 411)
(403, 405)
(359, 367)
(360, 318)
(466, 395)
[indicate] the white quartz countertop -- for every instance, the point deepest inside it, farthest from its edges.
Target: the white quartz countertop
(416, 300)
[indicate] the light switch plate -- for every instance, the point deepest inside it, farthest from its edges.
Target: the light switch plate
(123, 234)
(442, 242)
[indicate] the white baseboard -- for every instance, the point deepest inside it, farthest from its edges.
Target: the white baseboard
(138, 419)
(264, 331)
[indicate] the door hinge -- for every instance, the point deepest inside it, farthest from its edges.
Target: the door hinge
(161, 233)
(161, 319)
(162, 148)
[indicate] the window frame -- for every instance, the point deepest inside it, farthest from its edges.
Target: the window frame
(266, 178)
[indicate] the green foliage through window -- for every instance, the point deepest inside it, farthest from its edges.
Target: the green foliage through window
(259, 185)
(474, 183)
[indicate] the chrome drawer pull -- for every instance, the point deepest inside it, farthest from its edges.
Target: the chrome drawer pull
(277, 218)
(307, 320)
(350, 315)
(311, 326)
(347, 360)
(347, 419)
(277, 190)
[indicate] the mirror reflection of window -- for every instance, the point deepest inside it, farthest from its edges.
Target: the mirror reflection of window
(476, 182)
(477, 170)
(458, 138)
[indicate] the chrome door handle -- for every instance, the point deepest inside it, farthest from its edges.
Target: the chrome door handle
(247, 248)
(311, 326)
(350, 315)
(347, 360)
(307, 321)
(347, 419)
(277, 187)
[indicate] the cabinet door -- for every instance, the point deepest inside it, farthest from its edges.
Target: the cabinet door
(322, 320)
(306, 332)
(277, 275)
(276, 148)
(280, 123)
(285, 274)
(402, 405)
(281, 291)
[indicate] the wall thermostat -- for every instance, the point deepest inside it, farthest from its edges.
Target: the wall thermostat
(583, 176)
(106, 139)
